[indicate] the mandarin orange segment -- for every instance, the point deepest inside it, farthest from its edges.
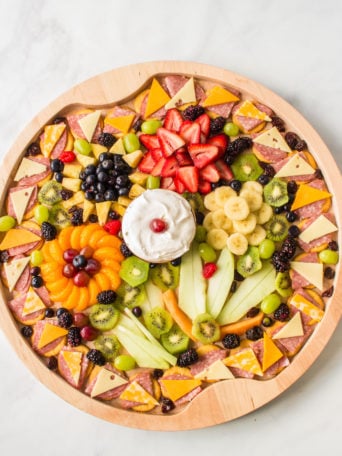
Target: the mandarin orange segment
(108, 252)
(102, 280)
(46, 253)
(95, 237)
(87, 232)
(75, 238)
(57, 285)
(94, 290)
(113, 276)
(56, 251)
(64, 237)
(111, 264)
(83, 302)
(73, 299)
(50, 270)
(63, 294)
(109, 241)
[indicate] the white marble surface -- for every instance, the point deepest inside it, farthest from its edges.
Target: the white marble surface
(294, 48)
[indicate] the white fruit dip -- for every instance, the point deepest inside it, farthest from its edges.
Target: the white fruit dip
(158, 247)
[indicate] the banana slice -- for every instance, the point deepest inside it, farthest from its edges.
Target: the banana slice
(258, 235)
(222, 194)
(220, 220)
(253, 198)
(264, 214)
(237, 243)
(210, 202)
(208, 222)
(245, 226)
(217, 238)
(253, 186)
(236, 208)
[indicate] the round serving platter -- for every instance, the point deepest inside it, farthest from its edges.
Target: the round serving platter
(225, 400)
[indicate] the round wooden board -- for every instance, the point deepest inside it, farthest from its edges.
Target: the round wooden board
(222, 401)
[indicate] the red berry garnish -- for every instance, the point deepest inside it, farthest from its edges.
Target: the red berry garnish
(67, 156)
(69, 255)
(158, 225)
(88, 333)
(87, 251)
(209, 270)
(81, 279)
(69, 270)
(113, 227)
(80, 319)
(93, 266)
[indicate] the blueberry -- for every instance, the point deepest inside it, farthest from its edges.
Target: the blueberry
(235, 185)
(294, 231)
(99, 197)
(35, 271)
(60, 311)
(122, 180)
(108, 164)
(91, 179)
(123, 191)
(176, 261)
(137, 311)
(109, 195)
(90, 169)
(84, 186)
(49, 313)
(263, 179)
(56, 165)
(291, 216)
(59, 177)
(100, 187)
(104, 156)
(26, 331)
(79, 261)
(82, 175)
(102, 177)
(111, 181)
(36, 281)
(89, 195)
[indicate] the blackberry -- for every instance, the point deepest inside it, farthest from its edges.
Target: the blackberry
(33, 149)
(278, 122)
(77, 217)
(52, 363)
(93, 218)
(289, 247)
(192, 112)
(66, 194)
(217, 124)
(26, 331)
(187, 358)
(106, 139)
(106, 297)
(254, 333)
(49, 313)
(74, 336)
(96, 357)
(253, 312)
(4, 256)
(292, 187)
(268, 169)
(237, 147)
(280, 262)
(125, 250)
(60, 311)
(157, 373)
(199, 217)
(333, 246)
(231, 341)
(37, 281)
(301, 145)
(167, 405)
(49, 232)
(282, 313)
(65, 320)
(294, 231)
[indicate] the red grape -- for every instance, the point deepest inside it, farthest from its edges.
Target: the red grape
(88, 333)
(93, 266)
(81, 279)
(80, 319)
(158, 225)
(69, 270)
(69, 255)
(87, 252)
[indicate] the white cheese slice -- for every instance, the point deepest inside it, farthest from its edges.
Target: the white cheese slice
(20, 200)
(28, 168)
(33, 303)
(293, 328)
(320, 227)
(106, 381)
(186, 94)
(272, 138)
(88, 124)
(296, 166)
(14, 269)
(313, 272)
(216, 371)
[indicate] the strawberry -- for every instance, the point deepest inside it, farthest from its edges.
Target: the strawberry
(224, 170)
(170, 167)
(157, 154)
(149, 141)
(188, 175)
(183, 158)
(169, 141)
(221, 141)
(113, 227)
(156, 171)
(203, 154)
(204, 187)
(67, 156)
(179, 186)
(173, 120)
(204, 122)
(190, 132)
(209, 173)
(167, 183)
(147, 163)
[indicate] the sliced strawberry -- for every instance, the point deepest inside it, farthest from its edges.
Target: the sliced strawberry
(156, 171)
(170, 167)
(209, 173)
(183, 158)
(179, 186)
(149, 141)
(221, 141)
(169, 141)
(191, 133)
(204, 122)
(157, 154)
(224, 170)
(147, 163)
(167, 183)
(173, 120)
(188, 175)
(203, 154)
(204, 187)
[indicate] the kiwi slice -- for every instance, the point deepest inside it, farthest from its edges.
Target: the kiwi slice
(275, 193)
(158, 321)
(131, 296)
(246, 168)
(175, 341)
(206, 329)
(277, 228)
(249, 262)
(50, 193)
(59, 217)
(134, 271)
(283, 284)
(109, 346)
(103, 316)
(165, 276)
(195, 200)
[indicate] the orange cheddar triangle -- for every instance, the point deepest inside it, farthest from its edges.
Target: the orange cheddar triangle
(106, 381)
(306, 195)
(51, 333)
(175, 389)
(245, 360)
(52, 133)
(89, 123)
(185, 95)
(305, 306)
(20, 201)
(33, 303)
(292, 328)
(218, 95)
(16, 238)
(271, 355)
(122, 124)
(14, 269)
(157, 98)
(136, 393)
(73, 360)
(247, 109)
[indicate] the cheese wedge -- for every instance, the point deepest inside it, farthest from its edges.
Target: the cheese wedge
(293, 328)
(271, 354)
(305, 306)
(14, 269)
(245, 360)
(73, 360)
(175, 389)
(33, 303)
(218, 95)
(247, 109)
(118, 147)
(306, 195)
(28, 168)
(89, 123)
(102, 210)
(216, 371)
(16, 238)
(320, 227)
(122, 124)
(50, 333)
(52, 133)
(272, 138)
(157, 98)
(20, 200)
(136, 393)
(296, 166)
(313, 272)
(88, 208)
(185, 95)
(106, 381)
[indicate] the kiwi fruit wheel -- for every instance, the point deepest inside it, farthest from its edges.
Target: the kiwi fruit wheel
(249, 263)
(59, 217)
(283, 284)
(206, 329)
(175, 341)
(275, 193)
(134, 271)
(131, 296)
(165, 276)
(246, 168)
(277, 228)
(108, 345)
(103, 316)
(195, 200)
(158, 321)
(50, 193)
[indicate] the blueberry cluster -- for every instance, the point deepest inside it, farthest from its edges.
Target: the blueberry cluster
(106, 181)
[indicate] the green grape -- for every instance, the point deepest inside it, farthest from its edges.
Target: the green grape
(207, 253)
(41, 213)
(131, 142)
(124, 362)
(150, 127)
(82, 146)
(328, 256)
(230, 129)
(36, 258)
(6, 222)
(153, 182)
(266, 249)
(201, 233)
(270, 303)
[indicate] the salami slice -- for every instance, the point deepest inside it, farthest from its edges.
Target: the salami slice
(43, 293)
(22, 249)
(24, 281)
(32, 180)
(17, 306)
(173, 83)
(237, 372)
(297, 280)
(268, 154)
(206, 360)
(60, 146)
(249, 123)
(65, 371)
(188, 397)
(277, 166)
(76, 129)
(314, 209)
(319, 242)
(31, 203)
(111, 394)
(223, 110)
(263, 108)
